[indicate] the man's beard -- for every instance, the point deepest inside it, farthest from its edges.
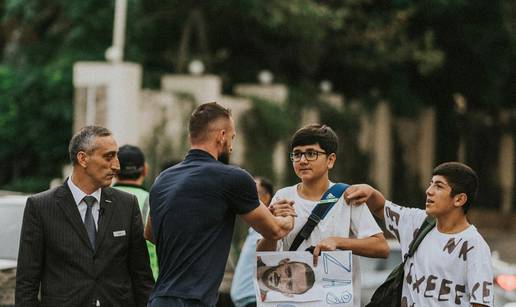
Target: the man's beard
(224, 156)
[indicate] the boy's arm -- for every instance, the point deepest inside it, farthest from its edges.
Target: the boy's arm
(374, 246)
(363, 193)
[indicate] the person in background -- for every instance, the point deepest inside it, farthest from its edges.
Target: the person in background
(133, 170)
(242, 287)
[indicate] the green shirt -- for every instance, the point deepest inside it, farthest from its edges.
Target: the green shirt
(143, 201)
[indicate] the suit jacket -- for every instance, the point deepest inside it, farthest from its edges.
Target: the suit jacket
(55, 253)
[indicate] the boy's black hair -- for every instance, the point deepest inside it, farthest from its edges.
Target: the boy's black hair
(316, 134)
(461, 178)
(266, 184)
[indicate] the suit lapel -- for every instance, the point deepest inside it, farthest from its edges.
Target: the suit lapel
(105, 215)
(66, 202)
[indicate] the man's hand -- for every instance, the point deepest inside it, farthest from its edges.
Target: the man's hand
(283, 207)
(328, 244)
(285, 222)
(358, 194)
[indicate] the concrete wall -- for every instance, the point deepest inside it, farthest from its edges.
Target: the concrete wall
(110, 93)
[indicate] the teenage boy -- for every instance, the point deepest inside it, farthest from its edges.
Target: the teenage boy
(313, 154)
(452, 266)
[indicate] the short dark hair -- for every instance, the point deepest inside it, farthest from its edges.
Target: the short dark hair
(316, 134)
(84, 140)
(461, 178)
(203, 116)
(266, 184)
(132, 162)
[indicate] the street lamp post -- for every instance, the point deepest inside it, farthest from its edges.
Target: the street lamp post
(115, 53)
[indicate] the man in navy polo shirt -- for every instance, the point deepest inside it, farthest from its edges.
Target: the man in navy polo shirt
(193, 207)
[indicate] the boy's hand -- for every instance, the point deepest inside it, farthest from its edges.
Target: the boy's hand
(358, 194)
(328, 244)
(283, 207)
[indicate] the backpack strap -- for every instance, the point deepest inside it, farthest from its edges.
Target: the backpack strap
(329, 198)
(426, 227)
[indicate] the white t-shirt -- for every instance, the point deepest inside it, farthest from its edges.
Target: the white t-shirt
(446, 269)
(338, 222)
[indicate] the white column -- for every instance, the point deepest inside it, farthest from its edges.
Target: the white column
(382, 149)
(205, 88)
(279, 162)
(115, 53)
(123, 87)
(506, 171)
(426, 146)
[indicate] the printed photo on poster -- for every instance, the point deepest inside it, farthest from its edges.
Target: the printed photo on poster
(290, 279)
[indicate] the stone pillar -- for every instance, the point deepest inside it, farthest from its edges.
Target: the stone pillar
(204, 88)
(310, 116)
(426, 156)
(335, 100)
(108, 95)
(506, 171)
(277, 93)
(238, 107)
(382, 149)
(279, 161)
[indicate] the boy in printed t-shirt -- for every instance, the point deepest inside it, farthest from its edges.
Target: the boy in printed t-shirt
(452, 266)
(313, 154)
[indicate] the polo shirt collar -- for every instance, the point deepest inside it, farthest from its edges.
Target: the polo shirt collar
(199, 154)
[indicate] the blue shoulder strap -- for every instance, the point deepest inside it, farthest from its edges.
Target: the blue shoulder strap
(329, 198)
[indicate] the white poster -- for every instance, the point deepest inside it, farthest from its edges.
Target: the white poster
(289, 279)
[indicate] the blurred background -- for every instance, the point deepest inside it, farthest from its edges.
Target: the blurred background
(405, 84)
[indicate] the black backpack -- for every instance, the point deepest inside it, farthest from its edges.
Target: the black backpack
(389, 293)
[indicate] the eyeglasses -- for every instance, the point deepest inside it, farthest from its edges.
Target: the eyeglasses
(310, 155)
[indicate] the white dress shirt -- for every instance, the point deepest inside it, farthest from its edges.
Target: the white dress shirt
(78, 196)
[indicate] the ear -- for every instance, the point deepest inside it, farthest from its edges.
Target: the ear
(460, 199)
(145, 169)
(331, 160)
(219, 137)
(283, 261)
(82, 158)
(223, 134)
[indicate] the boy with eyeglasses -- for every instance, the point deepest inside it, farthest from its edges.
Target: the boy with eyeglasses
(313, 154)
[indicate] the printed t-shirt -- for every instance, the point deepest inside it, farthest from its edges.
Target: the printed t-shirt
(446, 269)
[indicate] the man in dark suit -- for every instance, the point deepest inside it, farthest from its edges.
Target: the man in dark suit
(82, 243)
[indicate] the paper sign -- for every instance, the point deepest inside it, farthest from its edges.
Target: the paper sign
(289, 279)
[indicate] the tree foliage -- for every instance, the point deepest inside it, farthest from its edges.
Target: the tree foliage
(410, 53)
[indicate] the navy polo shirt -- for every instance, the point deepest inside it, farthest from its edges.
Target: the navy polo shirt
(193, 207)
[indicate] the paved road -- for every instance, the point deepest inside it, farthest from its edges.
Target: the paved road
(7, 283)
